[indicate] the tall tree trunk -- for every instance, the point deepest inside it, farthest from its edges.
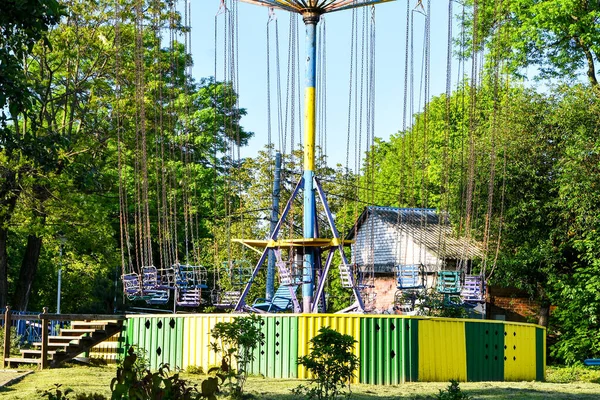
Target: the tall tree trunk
(28, 271)
(3, 268)
(591, 71)
(544, 314)
(9, 193)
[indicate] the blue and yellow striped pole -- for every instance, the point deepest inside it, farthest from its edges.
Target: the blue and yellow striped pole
(310, 21)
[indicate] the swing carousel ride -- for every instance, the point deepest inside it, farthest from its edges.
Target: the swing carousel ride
(299, 262)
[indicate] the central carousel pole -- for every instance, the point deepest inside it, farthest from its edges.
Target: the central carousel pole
(311, 11)
(310, 20)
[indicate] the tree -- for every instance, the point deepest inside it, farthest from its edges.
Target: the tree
(61, 157)
(22, 25)
(559, 37)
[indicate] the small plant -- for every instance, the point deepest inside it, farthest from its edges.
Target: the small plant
(92, 396)
(194, 370)
(56, 393)
(235, 341)
(332, 363)
(141, 363)
(453, 392)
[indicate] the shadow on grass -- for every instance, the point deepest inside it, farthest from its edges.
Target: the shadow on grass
(476, 394)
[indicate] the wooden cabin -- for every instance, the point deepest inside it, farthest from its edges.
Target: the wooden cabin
(386, 237)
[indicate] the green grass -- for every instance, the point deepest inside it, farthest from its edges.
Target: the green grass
(563, 383)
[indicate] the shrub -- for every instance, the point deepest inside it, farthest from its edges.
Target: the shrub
(133, 383)
(15, 341)
(332, 363)
(453, 392)
(235, 341)
(56, 393)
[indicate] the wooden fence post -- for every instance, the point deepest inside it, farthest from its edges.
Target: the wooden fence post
(44, 362)
(7, 324)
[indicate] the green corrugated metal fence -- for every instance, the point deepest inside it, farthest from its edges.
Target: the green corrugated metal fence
(388, 350)
(485, 351)
(160, 337)
(277, 353)
(540, 354)
(392, 349)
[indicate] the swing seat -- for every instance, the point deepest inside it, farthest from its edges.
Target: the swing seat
(149, 278)
(282, 300)
(189, 297)
(190, 276)
(165, 278)
(156, 297)
(131, 284)
(239, 272)
(455, 301)
(473, 289)
(226, 299)
(405, 302)
(346, 275)
(448, 282)
(287, 273)
(409, 276)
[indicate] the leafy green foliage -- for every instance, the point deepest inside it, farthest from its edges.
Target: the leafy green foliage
(574, 373)
(194, 370)
(559, 37)
(15, 341)
(453, 392)
(22, 24)
(134, 384)
(332, 363)
(56, 393)
(235, 342)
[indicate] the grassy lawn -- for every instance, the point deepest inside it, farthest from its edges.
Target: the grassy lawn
(564, 383)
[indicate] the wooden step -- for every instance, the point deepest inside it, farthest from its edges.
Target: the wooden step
(62, 338)
(79, 332)
(53, 345)
(92, 324)
(37, 353)
(22, 360)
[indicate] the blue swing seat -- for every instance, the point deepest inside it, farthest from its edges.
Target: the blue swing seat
(190, 276)
(473, 289)
(189, 297)
(448, 282)
(282, 300)
(156, 297)
(409, 276)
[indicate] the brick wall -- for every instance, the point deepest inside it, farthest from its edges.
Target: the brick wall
(385, 288)
(512, 305)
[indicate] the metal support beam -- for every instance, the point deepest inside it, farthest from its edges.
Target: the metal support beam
(241, 302)
(274, 217)
(336, 235)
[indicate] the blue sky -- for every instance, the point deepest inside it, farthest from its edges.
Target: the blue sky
(390, 62)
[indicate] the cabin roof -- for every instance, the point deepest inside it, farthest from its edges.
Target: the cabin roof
(426, 227)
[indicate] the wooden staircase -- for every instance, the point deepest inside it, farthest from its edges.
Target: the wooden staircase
(71, 342)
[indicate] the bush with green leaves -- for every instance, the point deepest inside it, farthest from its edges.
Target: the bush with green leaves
(132, 383)
(453, 392)
(15, 341)
(57, 393)
(332, 363)
(235, 342)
